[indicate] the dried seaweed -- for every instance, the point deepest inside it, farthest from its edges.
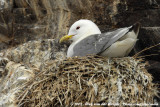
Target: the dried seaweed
(90, 79)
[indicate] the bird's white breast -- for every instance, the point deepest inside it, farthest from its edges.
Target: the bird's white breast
(70, 50)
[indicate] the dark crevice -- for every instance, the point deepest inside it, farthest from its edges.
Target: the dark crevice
(15, 5)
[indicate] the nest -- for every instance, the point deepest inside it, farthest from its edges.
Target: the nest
(90, 80)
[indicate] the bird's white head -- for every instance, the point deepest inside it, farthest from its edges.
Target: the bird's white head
(81, 29)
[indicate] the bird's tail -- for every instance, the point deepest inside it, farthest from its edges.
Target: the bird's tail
(136, 28)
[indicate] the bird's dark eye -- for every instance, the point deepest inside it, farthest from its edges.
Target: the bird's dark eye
(77, 28)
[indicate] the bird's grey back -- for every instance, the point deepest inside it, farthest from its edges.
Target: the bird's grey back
(97, 43)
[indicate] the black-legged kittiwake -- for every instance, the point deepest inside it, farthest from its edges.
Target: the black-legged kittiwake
(87, 39)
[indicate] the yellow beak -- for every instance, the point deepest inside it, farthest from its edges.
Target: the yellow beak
(65, 38)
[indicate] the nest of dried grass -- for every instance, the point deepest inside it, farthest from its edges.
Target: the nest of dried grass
(89, 80)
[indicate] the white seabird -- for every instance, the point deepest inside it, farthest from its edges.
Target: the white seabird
(87, 39)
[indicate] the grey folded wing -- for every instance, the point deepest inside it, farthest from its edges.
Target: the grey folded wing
(97, 43)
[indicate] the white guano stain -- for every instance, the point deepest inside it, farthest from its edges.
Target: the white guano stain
(2, 3)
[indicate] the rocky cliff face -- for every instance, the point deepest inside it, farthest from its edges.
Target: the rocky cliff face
(26, 20)
(33, 19)
(22, 21)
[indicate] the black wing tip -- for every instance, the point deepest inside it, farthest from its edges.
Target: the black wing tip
(136, 27)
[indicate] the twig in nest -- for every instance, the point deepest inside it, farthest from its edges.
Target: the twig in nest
(135, 56)
(60, 100)
(146, 55)
(25, 94)
(79, 81)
